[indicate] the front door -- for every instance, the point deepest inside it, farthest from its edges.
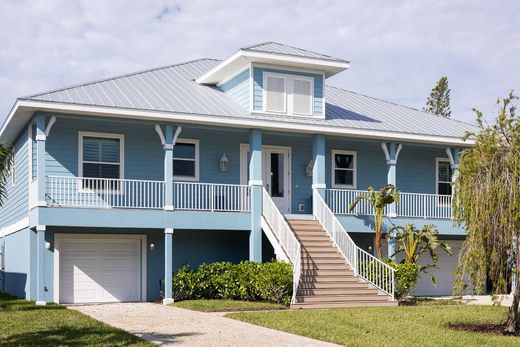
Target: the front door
(276, 176)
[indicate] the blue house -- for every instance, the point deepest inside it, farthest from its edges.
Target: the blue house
(118, 182)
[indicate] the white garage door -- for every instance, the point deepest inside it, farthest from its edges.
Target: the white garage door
(94, 268)
(443, 275)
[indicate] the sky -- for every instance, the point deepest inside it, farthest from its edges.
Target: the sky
(397, 49)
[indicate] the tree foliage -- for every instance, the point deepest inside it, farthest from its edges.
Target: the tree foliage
(378, 200)
(413, 243)
(439, 100)
(6, 156)
(487, 204)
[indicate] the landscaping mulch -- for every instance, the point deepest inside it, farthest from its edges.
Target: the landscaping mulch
(494, 329)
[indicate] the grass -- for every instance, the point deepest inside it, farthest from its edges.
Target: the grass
(423, 325)
(227, 305)
(22, 323)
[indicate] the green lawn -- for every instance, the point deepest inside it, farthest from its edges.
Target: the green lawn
(227, 305)
(22, 323)
(424, 325)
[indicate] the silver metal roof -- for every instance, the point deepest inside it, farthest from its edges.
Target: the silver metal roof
(278, 48)
(173, 89)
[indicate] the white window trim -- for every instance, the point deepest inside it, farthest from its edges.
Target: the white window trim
(333, 167)
(197, 161)
(120, 137)
(437, 162)
(289, 93)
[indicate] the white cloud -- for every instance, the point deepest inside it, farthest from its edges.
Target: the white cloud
(398, 50)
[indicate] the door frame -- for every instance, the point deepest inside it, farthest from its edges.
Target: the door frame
(244, 179)
(59, 237)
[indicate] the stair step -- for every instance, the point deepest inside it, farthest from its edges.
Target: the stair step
(330, 279)
(332, 285)
(303, 221)
(308, 238)
(331, 260)
(322, 249)
(360, 303)
(336, 291)
(318, 243)
(324, 266)
(342, 298)
(333, 273)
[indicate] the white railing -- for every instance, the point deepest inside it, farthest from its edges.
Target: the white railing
(363, 264)
(285, 236)
(211, 197)
(104, 193)
(410, 204)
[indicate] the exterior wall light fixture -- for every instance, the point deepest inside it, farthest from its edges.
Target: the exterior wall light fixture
(152, 246)
(224, 163)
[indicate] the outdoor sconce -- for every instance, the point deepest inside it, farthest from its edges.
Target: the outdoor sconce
(370, 248)
(224, 162)
(308, 169)
(47, 245)
(152, 246)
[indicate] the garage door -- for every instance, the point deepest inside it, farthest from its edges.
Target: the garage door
(95, 268)
(443, 275)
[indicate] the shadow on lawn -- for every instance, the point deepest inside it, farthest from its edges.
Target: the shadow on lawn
(70, 336)
(486, 328)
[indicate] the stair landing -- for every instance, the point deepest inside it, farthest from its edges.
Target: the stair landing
(327, 280)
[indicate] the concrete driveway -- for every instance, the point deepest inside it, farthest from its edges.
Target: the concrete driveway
(167, 326)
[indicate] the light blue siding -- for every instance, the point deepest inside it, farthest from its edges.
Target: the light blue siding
(16, 277)
(238, 88)
(16, 205)
(258, 81)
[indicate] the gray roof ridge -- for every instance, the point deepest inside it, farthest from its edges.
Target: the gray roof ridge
(114, 78)
(396, 104)
(294, 47)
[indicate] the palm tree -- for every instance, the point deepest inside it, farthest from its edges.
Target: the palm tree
(378, 200)
(414, 242)
(6, 156)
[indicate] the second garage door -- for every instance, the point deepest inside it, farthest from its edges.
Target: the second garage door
(94, 268)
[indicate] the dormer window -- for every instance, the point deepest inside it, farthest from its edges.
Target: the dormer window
(288, 94)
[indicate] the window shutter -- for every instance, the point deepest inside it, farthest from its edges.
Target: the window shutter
(302, 97)
(275, 94)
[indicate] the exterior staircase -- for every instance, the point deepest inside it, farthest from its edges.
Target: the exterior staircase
(327, 280)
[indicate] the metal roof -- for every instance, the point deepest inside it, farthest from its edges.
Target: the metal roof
(278, 48)
(173, 89)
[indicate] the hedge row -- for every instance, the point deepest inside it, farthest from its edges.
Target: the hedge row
(247, 280)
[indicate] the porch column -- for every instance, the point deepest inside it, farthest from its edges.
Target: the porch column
(391, 151)
(168, 266)
(40, 158)
(40, 265)
(256, 184)
(168, 168)
(318, 166)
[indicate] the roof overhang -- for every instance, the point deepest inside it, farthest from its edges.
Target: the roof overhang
(23, 111)
(242, 59)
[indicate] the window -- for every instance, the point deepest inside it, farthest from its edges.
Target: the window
(302, 97)
(444, 175)
(288, 94)
(275, 94)
(343, 169)
(101, 156)
(186, 160)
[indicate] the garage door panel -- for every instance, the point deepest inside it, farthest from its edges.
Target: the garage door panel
(100, 269)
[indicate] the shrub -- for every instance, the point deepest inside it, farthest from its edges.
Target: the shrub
(247, 280)
(407, 276)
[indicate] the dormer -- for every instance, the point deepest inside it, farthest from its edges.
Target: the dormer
(276, 79)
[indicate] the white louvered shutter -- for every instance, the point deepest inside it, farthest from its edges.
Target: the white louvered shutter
(302, 97)
(275, 94)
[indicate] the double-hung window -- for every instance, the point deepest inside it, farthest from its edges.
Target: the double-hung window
(288, 94)
(101, 156)
(444, 176)
(343, 169)
(186, 160)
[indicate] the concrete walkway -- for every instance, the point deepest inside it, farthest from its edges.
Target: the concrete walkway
(167, 326)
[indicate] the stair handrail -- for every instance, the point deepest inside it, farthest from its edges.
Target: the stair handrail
(285, 236)
(364, 264)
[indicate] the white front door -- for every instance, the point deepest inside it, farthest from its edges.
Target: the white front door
(276, 175)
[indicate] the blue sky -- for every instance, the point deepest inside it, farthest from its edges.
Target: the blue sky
(397, 49)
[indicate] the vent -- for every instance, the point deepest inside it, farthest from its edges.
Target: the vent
(275, 94)
(302, 97)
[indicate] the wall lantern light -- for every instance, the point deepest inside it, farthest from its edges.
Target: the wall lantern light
(308, 169)
(224, 162)
(152, 246)
(47, 245)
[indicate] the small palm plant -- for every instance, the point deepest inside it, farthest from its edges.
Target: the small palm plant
(378, 200)
(6, 156)
(413, 243)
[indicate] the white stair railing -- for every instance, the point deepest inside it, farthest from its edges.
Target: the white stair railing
(364, 264)
(285, 236)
